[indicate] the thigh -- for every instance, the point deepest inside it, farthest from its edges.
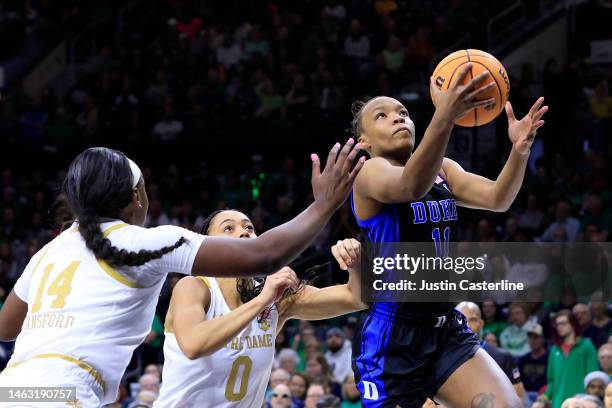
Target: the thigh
(478, 383)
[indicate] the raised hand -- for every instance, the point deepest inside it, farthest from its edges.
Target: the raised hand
(277, 283)
(347, 253)
(459, 99)
(523, 132)
(335, 182)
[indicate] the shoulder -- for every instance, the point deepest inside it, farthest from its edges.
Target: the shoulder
(371, 167)
(193, 287)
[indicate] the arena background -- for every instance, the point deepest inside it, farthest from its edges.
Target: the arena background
(221, 103)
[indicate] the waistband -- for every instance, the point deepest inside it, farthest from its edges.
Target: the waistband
(439, 321)
(81, 364)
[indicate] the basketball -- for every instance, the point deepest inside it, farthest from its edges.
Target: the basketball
(445, 75)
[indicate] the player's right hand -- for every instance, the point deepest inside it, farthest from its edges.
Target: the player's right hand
(459, 99)
(335, 182)
(277, 283)
(347, 253)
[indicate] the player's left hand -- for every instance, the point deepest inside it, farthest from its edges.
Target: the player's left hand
(347, 253)
(522, 132)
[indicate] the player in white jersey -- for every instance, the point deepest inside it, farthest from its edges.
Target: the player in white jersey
(220, 333)
(87, 299)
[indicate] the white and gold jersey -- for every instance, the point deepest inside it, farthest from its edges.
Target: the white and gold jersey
(235, 376)
(85, 312)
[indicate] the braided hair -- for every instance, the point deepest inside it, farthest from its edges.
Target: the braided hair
(249, 288)
(99, 185)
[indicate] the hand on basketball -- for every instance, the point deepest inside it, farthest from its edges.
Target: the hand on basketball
(347, 253)
(523, 132)
(335, 182)
(459, 99)
(277, 283)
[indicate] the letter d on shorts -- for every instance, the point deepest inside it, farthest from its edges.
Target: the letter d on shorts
(370, 391)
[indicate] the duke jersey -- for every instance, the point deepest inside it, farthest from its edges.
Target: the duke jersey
(85, 318)
(235, 376)
(429, 219)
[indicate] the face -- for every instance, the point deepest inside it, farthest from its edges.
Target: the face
(279, 377)
(491, 339)
(288, 364)
(564, 328)
(313, 367)
(232, 224)
(596, 388)
(518, 316)
(334, 342)
(582, 314)
(605, 359)
(474, 321)
(536, 342)
(312, 396)
(281, 397)
(153, 370)
(488, 309)
(608, 396)
(298, 386)
(572, 403)
(387, 129)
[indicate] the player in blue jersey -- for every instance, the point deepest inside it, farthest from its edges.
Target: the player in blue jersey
(406, 352)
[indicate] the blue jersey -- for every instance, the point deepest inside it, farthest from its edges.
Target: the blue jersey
(429, 219)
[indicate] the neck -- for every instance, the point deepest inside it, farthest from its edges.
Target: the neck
(538, 352)
(570, 339)
(395, 158)
(601, 320)
(229, 291)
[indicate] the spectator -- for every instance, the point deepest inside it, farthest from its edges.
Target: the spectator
(314, 393)
(491, 338)
(356, 44)
(278, 376)
(338, 354)
(514, 337)
(533, 364)
(590, 401)
(608, 396)
(532, 218)
(288, 360)
(329, 401)
(393, 55)
(601, 323)
(583, 316)
(229, 52)
(595, 384)
(604, 356)
(493, 323)
(570, 360)
(563, 222)
(299, 384)
(503, 358)
(281, 397)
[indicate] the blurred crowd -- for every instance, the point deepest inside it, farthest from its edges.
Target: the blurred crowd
(223, 109)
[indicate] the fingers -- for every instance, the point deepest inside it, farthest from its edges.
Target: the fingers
(510, 112)
(433, 88)
(482, 90)
(346, 149)
(538, 115)
(331, 157)
(536, 106)
(463, 74)
(484, 102)
(342, 257)
(356, 169)
(316, 165)
(350, 159)
(476, 81)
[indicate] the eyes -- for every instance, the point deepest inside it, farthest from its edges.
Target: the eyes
(230, 228)
(403, 113)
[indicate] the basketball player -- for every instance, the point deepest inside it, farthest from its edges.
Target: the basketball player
(220, 333)
(87, 299)
(405, 352)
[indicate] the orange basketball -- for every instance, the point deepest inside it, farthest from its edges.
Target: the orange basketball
(447, 70)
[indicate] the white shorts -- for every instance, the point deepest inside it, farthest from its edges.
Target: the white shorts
(52, 372)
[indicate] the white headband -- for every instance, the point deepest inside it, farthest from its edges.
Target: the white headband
(136, 173)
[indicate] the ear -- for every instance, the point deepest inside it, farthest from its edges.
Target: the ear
(136, 197)
(363, 140)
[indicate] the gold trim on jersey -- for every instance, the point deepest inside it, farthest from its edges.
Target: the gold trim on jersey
(113, 228)
(83, 365)
(204, 280)
(117, 276)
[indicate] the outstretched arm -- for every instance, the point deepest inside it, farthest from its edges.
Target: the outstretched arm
(474, 191)
(312, 303)
(386, 183)
(277, 247)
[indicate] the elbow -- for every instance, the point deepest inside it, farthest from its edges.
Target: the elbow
(501, 206)
(193, 351)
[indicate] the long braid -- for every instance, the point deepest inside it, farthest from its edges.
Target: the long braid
(99, 184)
